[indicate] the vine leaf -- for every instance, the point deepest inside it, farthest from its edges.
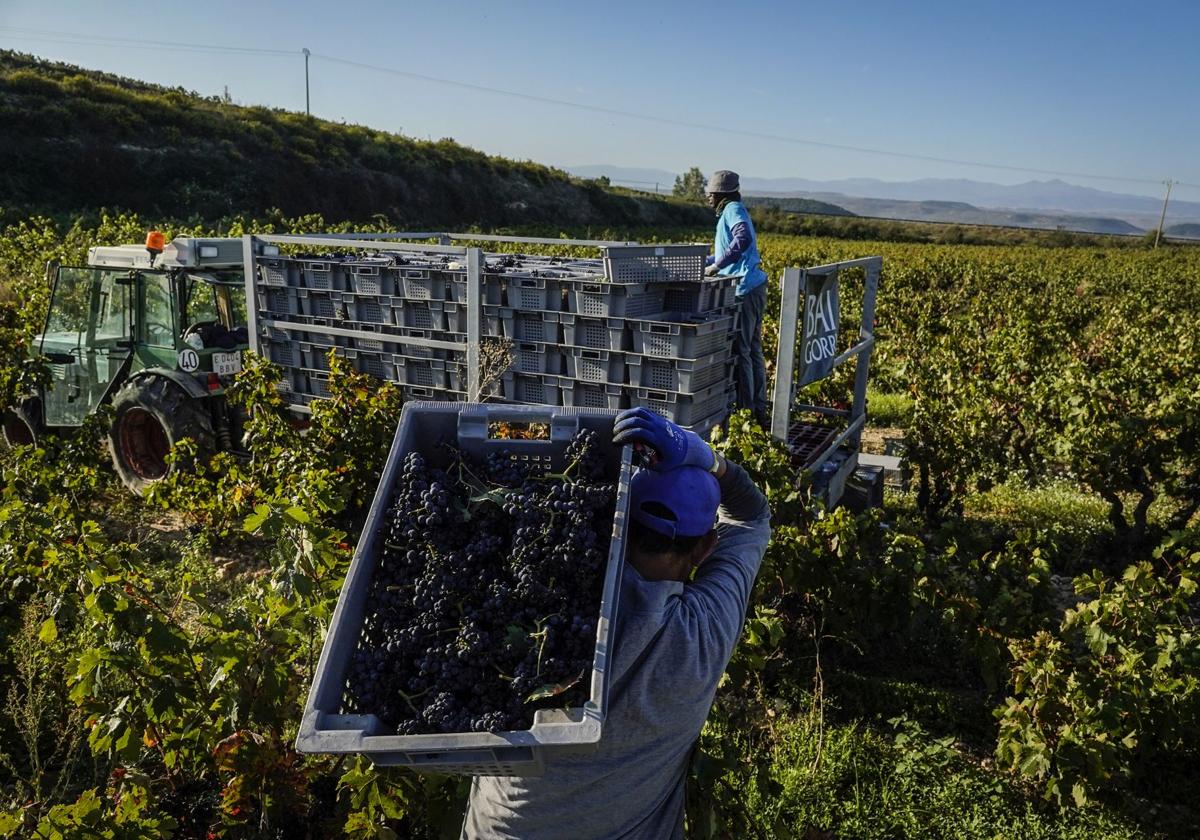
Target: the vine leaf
(552, 690)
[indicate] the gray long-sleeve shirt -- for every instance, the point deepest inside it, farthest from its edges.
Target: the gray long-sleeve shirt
(673, 641)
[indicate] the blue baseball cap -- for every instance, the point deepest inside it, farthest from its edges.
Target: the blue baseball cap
(689, 494)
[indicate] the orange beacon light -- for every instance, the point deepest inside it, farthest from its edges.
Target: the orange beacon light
(155, 242)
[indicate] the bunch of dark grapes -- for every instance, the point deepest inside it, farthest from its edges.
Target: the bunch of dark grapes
(483, 607)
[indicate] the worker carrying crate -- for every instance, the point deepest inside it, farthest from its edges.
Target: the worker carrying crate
(675, 635)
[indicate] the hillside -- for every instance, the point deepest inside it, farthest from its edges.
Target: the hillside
(73, 140)
(963, 213)
(1189, 230)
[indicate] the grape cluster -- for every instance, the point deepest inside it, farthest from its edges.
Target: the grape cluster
(484, 603)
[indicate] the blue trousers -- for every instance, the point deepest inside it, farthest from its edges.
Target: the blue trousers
(749, 367)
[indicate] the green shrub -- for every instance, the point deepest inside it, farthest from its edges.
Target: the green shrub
(1115, 689)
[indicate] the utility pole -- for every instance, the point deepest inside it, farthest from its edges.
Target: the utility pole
(307, 109)
(1163, 218)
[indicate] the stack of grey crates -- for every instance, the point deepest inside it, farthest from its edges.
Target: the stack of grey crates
(640, 326)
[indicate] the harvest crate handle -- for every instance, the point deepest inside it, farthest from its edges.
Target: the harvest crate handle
(473, 421)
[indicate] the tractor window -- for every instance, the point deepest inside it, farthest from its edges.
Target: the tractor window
(237, 303)
(112, 307)
(72, 297)
(158, 326)
(201, 303)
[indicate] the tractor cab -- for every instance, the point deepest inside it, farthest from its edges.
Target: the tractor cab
(157, 331)
(179, 309)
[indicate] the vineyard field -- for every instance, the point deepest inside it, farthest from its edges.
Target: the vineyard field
(1008, 648)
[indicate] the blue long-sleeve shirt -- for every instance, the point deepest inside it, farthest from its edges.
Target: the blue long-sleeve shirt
(735, 247)
(673, 641)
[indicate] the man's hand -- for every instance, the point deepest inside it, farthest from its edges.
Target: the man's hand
(672, 445)
(711, 270)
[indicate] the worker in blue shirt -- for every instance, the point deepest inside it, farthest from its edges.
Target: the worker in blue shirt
(735, 252)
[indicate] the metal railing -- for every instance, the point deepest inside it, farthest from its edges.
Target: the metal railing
(793, 286)
(473, 259)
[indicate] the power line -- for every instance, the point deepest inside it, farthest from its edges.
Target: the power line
(137, 43)
(736, 131)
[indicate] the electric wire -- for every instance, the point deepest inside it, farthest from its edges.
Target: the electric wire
(737, 131)
(142, 43)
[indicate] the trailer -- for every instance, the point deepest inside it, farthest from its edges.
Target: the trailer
(158, 332)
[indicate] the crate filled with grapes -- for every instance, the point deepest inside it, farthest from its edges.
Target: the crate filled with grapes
(474, 627)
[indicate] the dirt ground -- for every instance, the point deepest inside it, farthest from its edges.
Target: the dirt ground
(875, 438)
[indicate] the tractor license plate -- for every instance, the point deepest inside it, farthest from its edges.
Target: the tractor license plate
(226, 364)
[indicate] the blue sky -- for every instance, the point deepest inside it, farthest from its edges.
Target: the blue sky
(1097, 87)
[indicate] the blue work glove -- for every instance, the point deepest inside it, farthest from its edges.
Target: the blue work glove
(672, 445)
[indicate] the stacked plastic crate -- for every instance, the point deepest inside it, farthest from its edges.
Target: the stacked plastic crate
(397, 317)
(648, 329)
(641, 326)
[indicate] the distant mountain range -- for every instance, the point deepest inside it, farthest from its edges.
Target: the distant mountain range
(952, 212)
(1050, 204)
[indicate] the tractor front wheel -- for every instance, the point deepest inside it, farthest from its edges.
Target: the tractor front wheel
(150, 417)
(23, 423)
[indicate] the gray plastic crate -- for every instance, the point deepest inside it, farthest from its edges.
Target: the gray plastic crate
(615, 300)
(536, 357)
(654, 263)
(685, 375)
(314, 354)
(324, 728)
(298, 400)
(429, 315)
(293, 380)
(535, 294)
(505, 322)
(279, 272)
(417, 351)
(707, 424)
(425, 373)
(371, 279)
(318, 383)
(595, 333)
(278, 301)
(417, 283)
(702, 296)
(682, 336)
(324, 275)
(585, 364)
(684, 409)
(378, 365)
(279, 348)
(382, 344)
(531, 388)
(594, 395)
(364, 308)
(413, 393)
(316, 303)
(492, 293)
(456, 377)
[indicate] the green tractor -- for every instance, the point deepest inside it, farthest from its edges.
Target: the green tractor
(157, 332)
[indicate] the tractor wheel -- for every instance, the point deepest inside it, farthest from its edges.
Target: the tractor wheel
(23, 423)
(151, 416)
